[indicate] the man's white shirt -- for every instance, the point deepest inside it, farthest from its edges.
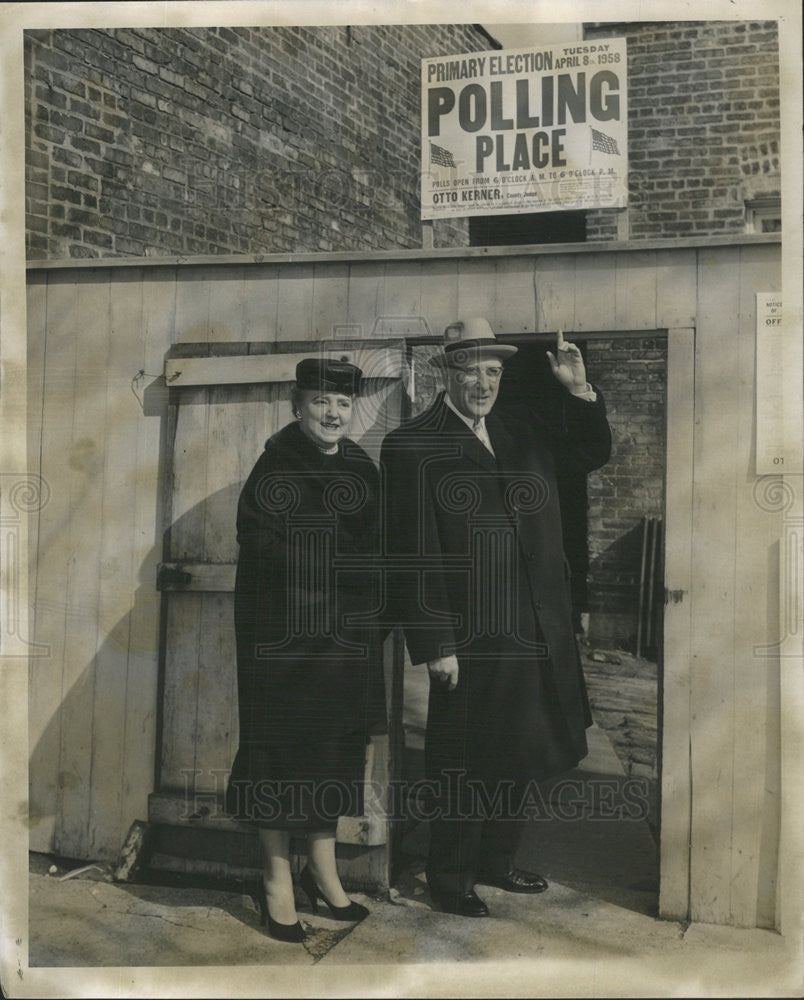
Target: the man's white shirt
(478, 428)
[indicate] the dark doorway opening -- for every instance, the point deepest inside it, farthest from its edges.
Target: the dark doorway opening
(528, 228)
(603, 530)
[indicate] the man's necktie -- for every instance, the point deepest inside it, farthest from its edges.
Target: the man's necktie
(481, 433)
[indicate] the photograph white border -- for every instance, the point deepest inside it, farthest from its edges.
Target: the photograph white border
(618, 977)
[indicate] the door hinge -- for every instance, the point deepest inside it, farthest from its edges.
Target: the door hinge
(169, 576)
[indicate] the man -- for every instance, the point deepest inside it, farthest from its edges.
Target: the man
(480, 584)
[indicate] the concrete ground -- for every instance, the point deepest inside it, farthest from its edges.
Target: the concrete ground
(595, 932)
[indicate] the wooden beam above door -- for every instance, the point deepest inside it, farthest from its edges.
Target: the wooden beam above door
(377, 363)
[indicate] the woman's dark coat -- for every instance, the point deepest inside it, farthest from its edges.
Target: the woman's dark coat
(307, 524)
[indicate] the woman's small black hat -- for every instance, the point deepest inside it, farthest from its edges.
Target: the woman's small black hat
(326, 375)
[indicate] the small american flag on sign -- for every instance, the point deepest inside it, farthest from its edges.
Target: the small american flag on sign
(604, 142)
(441, 156)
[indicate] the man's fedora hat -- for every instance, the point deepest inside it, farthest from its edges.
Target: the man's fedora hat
(325, 375)
(470, 340)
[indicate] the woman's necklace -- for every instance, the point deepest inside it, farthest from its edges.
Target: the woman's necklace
(324, 451)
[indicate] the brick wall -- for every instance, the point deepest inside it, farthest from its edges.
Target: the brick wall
(228, 140)
(632, 373)
(704, 130)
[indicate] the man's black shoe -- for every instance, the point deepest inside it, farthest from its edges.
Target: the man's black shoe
(515, 880)
(464, 904)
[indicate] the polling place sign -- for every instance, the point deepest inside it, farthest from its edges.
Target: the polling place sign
(525, 130)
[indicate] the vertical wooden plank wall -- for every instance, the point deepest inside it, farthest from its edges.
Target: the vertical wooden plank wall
(159, 294)
(735, 723)
(217, 709)
(477, 293)
(515, 310)
(259, 303)
(674, 889)
(47, 703)
(330, 294)
(757, 674)
(676, 286)
(595, 305)
(45, 671)
(66, 589)
(364, 300)
(115, 559)
(439, 294)
(554, 292)
(295, 303)
(84, 498)
(714, 545)
(192, 305)
(199, 318)
(37, 331)
(758, 528)
(227, 304)
(95, 602)
(93, 700)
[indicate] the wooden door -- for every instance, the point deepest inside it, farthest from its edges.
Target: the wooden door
(223, 408)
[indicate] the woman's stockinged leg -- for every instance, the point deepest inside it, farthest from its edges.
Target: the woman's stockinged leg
(276, 875)
(321, 861)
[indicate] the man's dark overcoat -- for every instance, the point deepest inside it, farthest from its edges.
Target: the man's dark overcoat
(477, 568)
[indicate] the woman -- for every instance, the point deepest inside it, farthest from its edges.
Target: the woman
(310, 682)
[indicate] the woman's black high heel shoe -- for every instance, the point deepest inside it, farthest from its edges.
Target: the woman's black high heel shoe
(354, 911)
(282, 932)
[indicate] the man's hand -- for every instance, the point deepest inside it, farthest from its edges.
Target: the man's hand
(445, 671)
(567, 365)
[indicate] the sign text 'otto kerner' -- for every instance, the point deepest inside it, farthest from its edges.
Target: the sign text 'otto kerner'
(526, 130)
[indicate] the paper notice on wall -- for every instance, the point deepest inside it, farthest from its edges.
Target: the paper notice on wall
(525, 130)
(771, 458)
